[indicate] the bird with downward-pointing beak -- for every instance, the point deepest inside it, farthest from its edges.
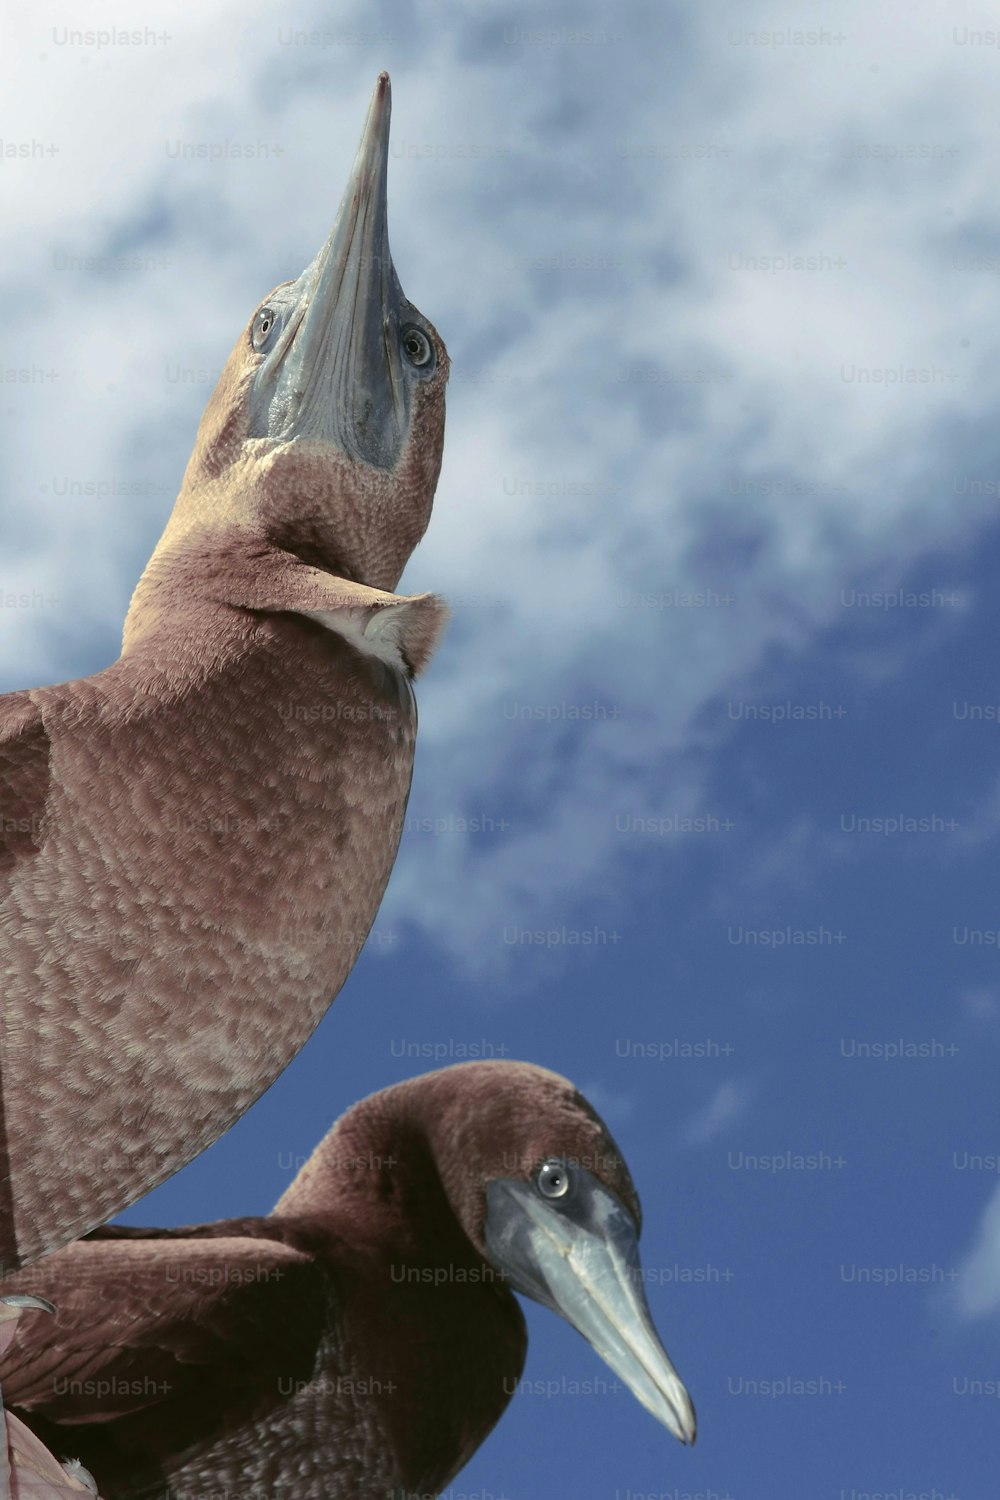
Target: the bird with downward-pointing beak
(362, 1339)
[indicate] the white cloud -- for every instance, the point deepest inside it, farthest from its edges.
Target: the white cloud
(728, 1103)
(648, 485)
(980, 1006)
(976, 1293)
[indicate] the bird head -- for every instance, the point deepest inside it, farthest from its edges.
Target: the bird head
(543, 1192)
(326, 428)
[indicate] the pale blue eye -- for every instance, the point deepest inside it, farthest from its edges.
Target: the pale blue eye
(263, 326)
(417, 346)
(553, 1179)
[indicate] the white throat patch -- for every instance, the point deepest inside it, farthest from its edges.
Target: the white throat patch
(402, 634)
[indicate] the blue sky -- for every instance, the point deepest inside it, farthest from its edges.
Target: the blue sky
(718, 520)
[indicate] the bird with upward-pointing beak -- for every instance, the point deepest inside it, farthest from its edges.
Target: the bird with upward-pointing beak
(194, 842)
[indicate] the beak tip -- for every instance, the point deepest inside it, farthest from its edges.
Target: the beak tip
(682, 1421)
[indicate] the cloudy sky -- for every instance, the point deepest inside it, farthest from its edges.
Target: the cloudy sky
(707, 799)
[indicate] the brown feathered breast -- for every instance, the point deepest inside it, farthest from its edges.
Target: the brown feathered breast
(195, 844)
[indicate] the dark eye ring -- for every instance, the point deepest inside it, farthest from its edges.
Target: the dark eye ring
(262, 325)
(417, 346)
(553, 1179)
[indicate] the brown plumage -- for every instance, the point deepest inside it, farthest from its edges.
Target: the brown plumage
(194, 842)
(28, 1471)
(363, 1339)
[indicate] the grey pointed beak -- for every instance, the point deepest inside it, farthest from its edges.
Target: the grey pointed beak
(333, 370)
(582, 1260)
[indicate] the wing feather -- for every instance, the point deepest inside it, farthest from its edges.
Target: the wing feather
(162, 1323)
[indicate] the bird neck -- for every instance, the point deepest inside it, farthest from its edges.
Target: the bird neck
(200, 578)
(373, 1192)
(304, 497)
(376, 1179)
(375, 1168)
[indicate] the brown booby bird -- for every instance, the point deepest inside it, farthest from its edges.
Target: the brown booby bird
(362, 1339)
(194, 841)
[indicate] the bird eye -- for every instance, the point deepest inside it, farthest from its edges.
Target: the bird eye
(553, 1179)
(262, 325)
(417, 346)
